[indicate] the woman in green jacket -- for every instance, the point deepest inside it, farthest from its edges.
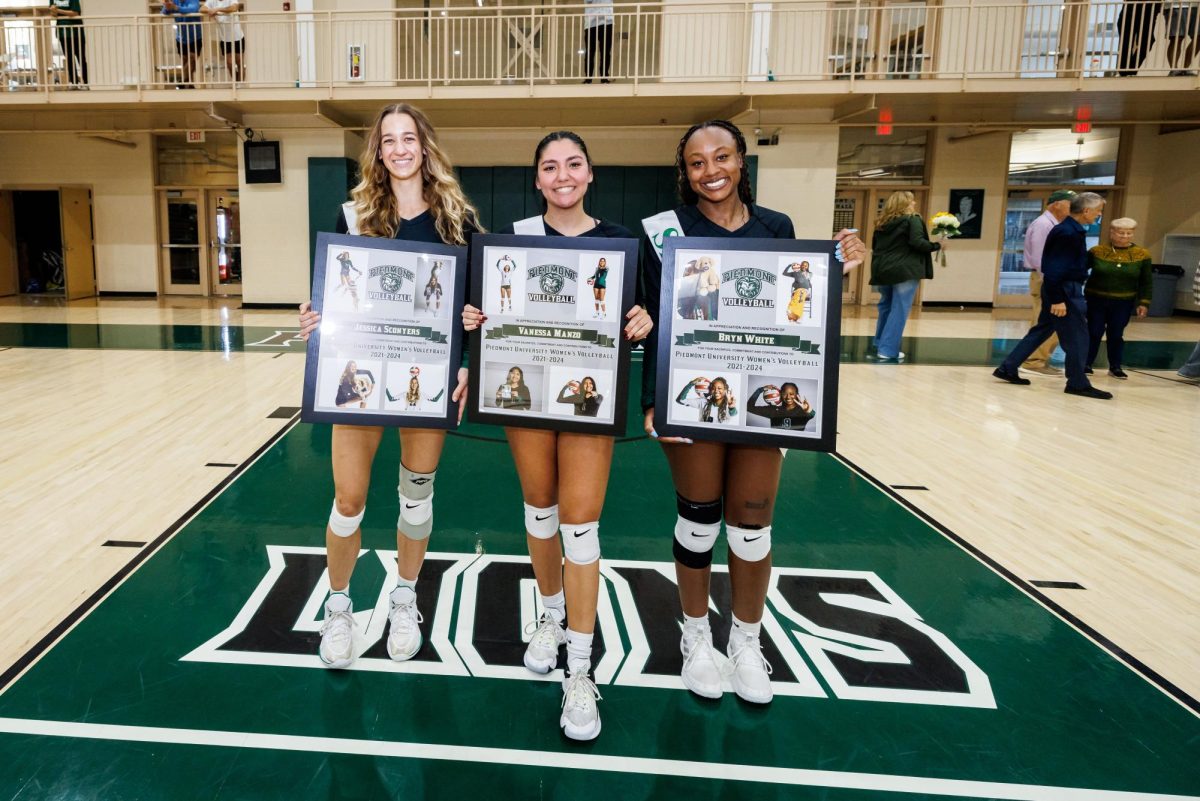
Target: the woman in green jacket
(900, 258)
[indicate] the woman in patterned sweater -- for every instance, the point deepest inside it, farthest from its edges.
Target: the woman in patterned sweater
(1119, 281)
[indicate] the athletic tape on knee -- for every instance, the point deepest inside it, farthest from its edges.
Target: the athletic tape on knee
(696, 531)
(416, 503)
(581, 543)
(541, 522)
(747, 543)
(344, 526)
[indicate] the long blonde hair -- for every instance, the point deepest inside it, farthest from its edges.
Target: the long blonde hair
(896, 206)
(374, 203)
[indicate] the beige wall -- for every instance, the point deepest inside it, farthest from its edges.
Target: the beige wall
(275, 218)
(976, 162)
(514, 147)
(799, 177)
(1175, 191)
(123, 209)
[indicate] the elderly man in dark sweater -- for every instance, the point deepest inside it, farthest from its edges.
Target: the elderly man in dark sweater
(1064, 310)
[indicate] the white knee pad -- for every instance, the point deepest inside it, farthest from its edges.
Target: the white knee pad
(581, 543)
(541, 523)
(696, 537)
(344, 526)
(749, 544)
(416, 503)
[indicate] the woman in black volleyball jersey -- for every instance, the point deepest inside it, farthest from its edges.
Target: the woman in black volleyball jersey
(563, 172)
(714, 480)
(408, 191)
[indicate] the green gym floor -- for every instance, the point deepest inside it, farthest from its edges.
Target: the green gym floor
(907, 663)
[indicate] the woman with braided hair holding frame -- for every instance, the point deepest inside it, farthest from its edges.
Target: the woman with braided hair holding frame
(715, 480)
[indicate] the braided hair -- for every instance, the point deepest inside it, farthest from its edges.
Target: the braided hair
(686, 193)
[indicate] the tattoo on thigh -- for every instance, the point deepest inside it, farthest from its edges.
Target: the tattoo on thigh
(763, 504)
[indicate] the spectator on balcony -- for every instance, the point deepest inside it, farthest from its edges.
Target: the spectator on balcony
(598, 22)
(230, 38)
(1182, 22)
(1135, 28)
(68, 28)
(188, 37)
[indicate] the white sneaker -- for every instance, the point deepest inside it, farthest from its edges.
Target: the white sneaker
(541, 655)
(404, 637)
(700, 673)
(580, 716)
(748, 669)
(337, 637)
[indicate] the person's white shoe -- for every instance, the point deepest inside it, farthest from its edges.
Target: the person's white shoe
(748, 669)
(337, 637)
(404, 636)
(541, 655)
(580, 718)
(700, 673)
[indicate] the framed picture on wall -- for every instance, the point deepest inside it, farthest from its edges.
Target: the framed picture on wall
(967, 206)
(748, 341)
(389, 345)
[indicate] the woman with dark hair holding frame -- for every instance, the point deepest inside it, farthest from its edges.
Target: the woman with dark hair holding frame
(714, 480)
(565, 502)
(408, 191)
(790, 410)
(583, 396)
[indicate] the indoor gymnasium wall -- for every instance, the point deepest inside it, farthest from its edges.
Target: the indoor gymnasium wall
(1175, 198)
(122, 182)
(970, 162)
(798, 176)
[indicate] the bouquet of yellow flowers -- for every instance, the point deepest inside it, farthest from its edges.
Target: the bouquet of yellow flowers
(943, 225)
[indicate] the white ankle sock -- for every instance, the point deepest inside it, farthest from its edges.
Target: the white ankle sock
(405, 592)
(338, 600)
(556, 605)
(579, 651)
(697, 623)
(750, 630)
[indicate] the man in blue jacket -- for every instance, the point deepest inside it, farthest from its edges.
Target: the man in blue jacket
(1064, 310)
(188, 37)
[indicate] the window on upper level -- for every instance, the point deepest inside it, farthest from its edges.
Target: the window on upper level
(866, 158)
(1059, 157)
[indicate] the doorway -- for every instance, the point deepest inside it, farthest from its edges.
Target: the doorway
(200, 249)
(858, 208)
(47, 240)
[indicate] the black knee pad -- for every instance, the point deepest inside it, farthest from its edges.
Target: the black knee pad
(696, 531)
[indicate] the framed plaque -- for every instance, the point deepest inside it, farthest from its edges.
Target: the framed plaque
(748, 341)
(389, 345)
(552, 353)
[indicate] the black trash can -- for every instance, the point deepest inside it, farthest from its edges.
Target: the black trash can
(1166, 277)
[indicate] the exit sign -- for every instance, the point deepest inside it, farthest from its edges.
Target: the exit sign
(195, 137)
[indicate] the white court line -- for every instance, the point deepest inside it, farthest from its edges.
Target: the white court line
(498, 757)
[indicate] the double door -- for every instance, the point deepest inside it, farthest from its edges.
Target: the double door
(858, 208)
(200, 249)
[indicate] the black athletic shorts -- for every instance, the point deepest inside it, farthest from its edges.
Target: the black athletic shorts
(233, 47)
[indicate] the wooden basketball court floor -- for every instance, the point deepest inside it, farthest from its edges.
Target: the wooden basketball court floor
(989, 592)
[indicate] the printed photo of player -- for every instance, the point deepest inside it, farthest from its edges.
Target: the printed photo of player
(433, 287)
(801, 275)
(348, 283)
(583, 395)
(598, 282)
(780, 406)
(513, 393)
(417, 388)
(714, 399)
(507, 267)
(354, 387)
(698, 289)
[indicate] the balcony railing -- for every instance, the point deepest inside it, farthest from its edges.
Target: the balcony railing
(538, 45)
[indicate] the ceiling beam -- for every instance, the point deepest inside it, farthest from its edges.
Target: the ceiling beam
(330, 113)
(225, 113)
(860, 104)
(737, 111)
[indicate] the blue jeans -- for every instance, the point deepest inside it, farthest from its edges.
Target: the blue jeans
(895, 301)
(1191, 368)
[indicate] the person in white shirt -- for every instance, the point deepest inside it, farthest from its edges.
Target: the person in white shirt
(230, 38)
(598, 22)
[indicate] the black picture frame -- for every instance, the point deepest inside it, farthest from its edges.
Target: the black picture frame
(262, 163)
(481, 244)
(449, 325)
(756, 357)
(972, 227)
